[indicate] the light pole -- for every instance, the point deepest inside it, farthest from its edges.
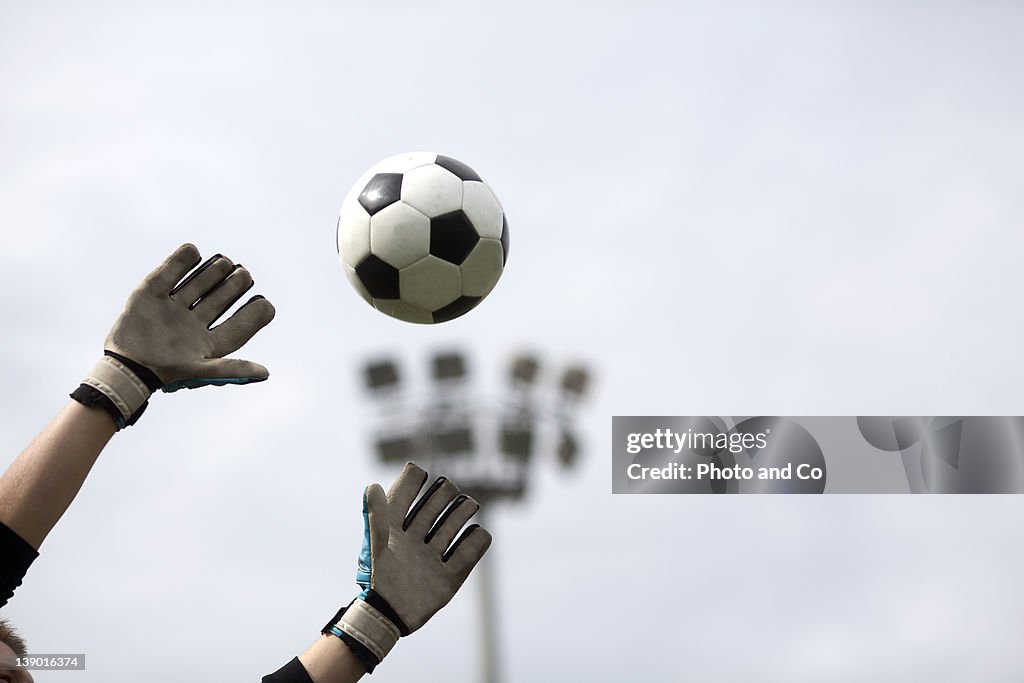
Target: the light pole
(486, 446)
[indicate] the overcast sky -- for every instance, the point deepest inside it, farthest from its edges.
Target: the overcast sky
(723, 208)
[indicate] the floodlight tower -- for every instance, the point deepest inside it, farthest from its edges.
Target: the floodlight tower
(486, 446)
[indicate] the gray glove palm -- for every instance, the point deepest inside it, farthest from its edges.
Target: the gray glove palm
(411, 564)
(163, 339)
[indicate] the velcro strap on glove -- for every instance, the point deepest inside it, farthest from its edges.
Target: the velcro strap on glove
(124, 388)
(371, 628)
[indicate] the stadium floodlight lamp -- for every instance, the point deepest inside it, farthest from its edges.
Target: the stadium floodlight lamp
(515, 489)
(454, 440)
(489, 488)
(575, 380)
(568, 449)
(517, 442)
(511, 488)
(396, 449)
(381, 376)
(449, 367)
(524, 370)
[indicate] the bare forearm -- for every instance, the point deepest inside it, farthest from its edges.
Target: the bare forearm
(40, 484)
(328, 660)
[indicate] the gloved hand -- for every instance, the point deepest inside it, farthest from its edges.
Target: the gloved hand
(406, 568)
(163, 339)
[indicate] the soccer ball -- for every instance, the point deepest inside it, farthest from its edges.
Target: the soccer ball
(422, 238)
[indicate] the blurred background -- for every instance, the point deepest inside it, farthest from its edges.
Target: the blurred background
(721, 208)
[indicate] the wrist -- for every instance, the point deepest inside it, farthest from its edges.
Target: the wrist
(120, 386)
(365, 630)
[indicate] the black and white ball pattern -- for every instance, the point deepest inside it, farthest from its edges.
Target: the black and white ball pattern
(422, 238)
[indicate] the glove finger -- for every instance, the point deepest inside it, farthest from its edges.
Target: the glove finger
(220, 372)
(453, 519)
(217, 301)
(467, 550)
(174, 267)
(430, 505)
(203, 279)
(377, 517)
(236, 371)
(404, 490)
(234, 332)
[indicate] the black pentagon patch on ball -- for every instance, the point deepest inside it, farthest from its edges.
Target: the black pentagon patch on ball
(504, 240)
(456, 167)
(463, 304)
(379, 278)
(384, 189)
(452, 237)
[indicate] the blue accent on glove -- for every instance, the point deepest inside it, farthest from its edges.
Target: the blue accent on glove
(217, 382)
(364, 568)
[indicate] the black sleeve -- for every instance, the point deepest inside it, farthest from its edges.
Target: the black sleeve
(15, 557)
(292, 672)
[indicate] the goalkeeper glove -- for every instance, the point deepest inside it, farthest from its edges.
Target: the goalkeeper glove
(165, 337)
(409, 567)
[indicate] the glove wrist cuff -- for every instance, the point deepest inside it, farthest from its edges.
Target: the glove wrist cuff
(115, 380)
(369, 627)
